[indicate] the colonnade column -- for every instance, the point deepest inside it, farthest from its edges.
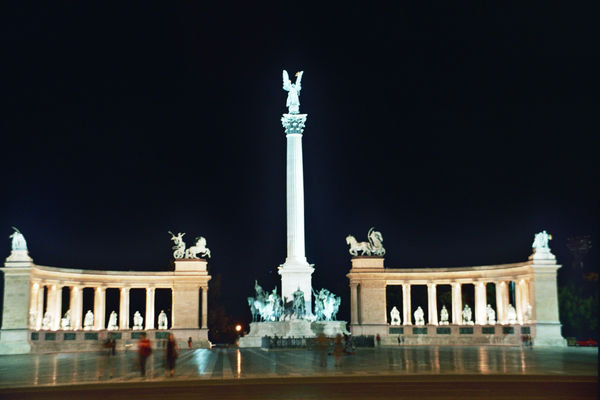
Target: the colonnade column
(406, 306)
(40, 307)
(124, 308)
(456, 303)
(76, 306)
(432, 303)
(150, 308)
(204, 307)
(99, 307)
(353, 303)
(480, 303)
(33, 305)
(518, 300)
(526, 301)
(502, 301)
(55, 306)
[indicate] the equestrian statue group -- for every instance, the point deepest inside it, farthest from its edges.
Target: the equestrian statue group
(373, 248)
(179, 250)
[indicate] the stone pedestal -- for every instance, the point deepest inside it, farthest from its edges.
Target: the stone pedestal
(15, 309)
(299, 328)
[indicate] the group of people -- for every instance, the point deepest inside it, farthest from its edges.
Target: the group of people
(341, 346)
(144, 350)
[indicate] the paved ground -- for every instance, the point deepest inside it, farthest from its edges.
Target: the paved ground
(430, 372)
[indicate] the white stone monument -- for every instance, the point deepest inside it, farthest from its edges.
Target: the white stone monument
(395, 316)
(511, 314)
(112, 321)
(163, 322)
(467, 315)
(138, 321)
(444, 315)
(419, 316)
(65, 322)
(88, 320)
(491, 315)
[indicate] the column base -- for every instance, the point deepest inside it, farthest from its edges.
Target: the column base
(199, 338)
(14, 341)
(548, 334)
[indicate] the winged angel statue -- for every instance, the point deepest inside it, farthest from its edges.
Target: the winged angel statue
(293, 89)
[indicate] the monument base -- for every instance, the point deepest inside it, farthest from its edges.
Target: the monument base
(299, 328)
(14, 341)
(199, 338)
(548, 334)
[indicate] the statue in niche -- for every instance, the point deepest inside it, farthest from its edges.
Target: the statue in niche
(112, 321)
(138, 321)
(540, 241)
(88, 320)
(162, 320)
(395, 316)
(179, 247)
(372, 248)
(419, 316)
(326, 305)
(491, 315)
(293, 89)
(198, 248)
(46, 321)
(65, 322)
(511, 314)
(18, 240)
(444, 315)
(298, 303)
(467, 315)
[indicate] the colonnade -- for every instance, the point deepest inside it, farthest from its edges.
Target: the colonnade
(54, 305)
(522, 302)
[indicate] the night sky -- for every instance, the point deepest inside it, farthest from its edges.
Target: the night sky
(458, 132)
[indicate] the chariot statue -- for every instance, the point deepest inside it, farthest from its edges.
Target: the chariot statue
(491, 315)
(511, 314)
(18, 240)
(372, 248)
(112, 321)
(444, 315)
(179, 247)
(395, 316)
(138, 321)
(419, 316)
(65, 322)
(467, 315)
(540, 241)
(46, 321)
(293, 89)
(198, 248)
(88, 320)
(163, 322)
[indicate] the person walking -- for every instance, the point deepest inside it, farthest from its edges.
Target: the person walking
(171, 354)
(144, 351)
(338, 350)
(110, 351)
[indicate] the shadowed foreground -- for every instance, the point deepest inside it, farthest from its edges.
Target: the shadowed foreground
(409, 387)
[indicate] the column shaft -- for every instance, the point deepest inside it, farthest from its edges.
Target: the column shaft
(76, 307)
(99, 308)
(499, 303)
(124, 308)
(33, 305)
(295, 199)
(406, 306)
(149, 308)
(205, 307)
(456, 303)
(480, 303)
(432, 304)
(354, 303)
(519, 301)
(56, 306)
(40, 307)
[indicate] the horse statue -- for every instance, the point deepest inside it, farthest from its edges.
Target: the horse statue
(253, 310)
(326, 305)
(199, 247)
(179, 248)
(376, 240)
(356, 246)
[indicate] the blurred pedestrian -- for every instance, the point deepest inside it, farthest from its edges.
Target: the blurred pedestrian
(171, 353)
(322, 344)
(110, 352)
(144, 351)
(338, 350)
(190, 342)
(378, 340)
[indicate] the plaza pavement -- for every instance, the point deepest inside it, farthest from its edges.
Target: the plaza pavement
(450, 369)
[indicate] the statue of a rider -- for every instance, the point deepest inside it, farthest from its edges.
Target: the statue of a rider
(298, 303)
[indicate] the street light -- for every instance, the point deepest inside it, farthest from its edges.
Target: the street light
(238, 328)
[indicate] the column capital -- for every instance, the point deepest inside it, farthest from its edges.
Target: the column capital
(293, 123)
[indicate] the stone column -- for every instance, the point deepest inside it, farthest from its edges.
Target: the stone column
(40, 307)
(502, 302)
(76, 307)
(34, 310)
(480, 303)
(353, 303)
(456, 303)
(149, 308)
(432, 304)
(55, 306)
(124, 308)
(526, 300)
(99, 308)
(204, 307)
(518, 301)
(406, 306)
(499, 306)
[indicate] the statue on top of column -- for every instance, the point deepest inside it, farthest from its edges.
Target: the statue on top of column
(18, 240)
(293, 89)
(179, 248)
(541, 240)
(198, 248)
